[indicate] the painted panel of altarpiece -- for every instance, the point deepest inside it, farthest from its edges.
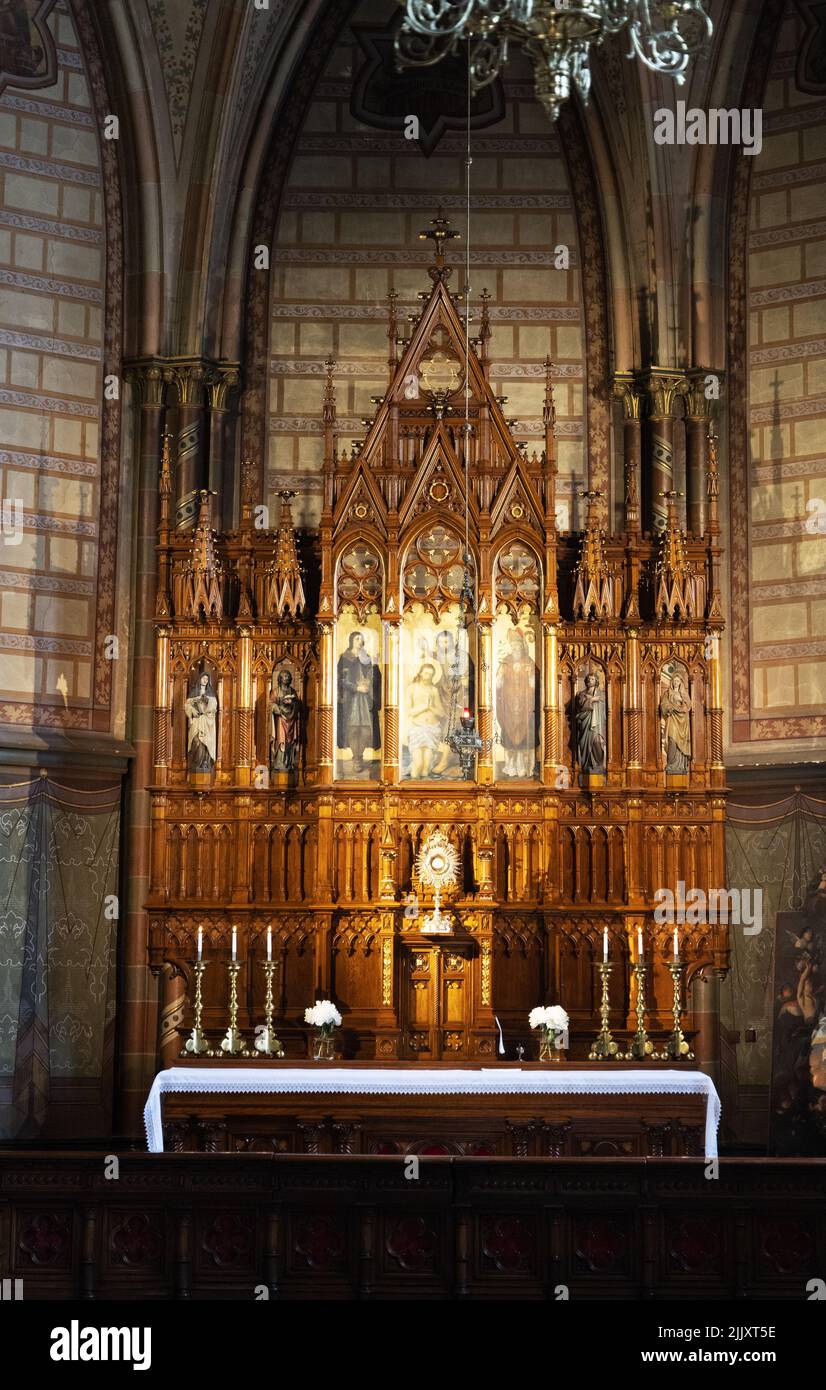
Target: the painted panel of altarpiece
(437, 684)
(516, 689)
(358, 696)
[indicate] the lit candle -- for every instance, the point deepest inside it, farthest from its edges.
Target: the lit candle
(200, 942)
(676, 945)
(269, 943)
(605, 944)
(639, 943)
(234, 943)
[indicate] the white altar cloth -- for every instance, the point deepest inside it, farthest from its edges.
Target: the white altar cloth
(421, 1081)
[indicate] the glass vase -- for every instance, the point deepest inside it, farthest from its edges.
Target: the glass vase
(324, 1046)
(548, 1049)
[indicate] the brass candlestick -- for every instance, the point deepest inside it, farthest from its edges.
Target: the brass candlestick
(232, 1043)
(677, 1048)
(641, 1045)
(603, 1045)
(266, 1043)
(196, 1044)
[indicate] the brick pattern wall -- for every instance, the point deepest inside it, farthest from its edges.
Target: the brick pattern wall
(52, 268)
(355, 202)
(787, 402)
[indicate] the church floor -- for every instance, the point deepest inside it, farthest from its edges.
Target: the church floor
(136, 1226)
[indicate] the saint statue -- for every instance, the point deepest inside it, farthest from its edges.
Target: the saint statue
(427, 719)
(516, 707)
(589, 712)
(201, 709)
(359, 701)
(676, 726)
(285, 724)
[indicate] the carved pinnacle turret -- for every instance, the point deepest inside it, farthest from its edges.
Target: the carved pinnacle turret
(202, 590)
(598, 587)
(676, 581)
(284, 594)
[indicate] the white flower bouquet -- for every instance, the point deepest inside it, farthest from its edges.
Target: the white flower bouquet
(323, 1015)
(552, 1022)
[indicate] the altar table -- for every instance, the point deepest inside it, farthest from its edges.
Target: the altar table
(467, 1110)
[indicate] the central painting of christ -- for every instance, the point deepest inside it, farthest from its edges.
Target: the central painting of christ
(437, 685)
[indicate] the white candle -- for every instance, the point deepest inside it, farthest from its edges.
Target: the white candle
(269, 943)
(639, 943)
(605, 944)
(234, 943)
(200, 942)
(676, 945)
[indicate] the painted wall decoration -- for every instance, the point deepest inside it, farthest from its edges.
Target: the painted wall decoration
(798, 1092)
(59, 852)
(437, 684)
(358, 696)
(516, 694)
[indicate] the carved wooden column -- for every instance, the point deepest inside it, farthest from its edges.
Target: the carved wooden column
(390, 754)
(484, 765)
(244, 751)
(325, 706)
(663, 387)
(633, 713)
(550, 710)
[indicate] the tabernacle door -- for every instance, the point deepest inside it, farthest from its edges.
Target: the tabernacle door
(436, 1001)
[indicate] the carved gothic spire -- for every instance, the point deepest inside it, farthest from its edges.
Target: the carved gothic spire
(676, 581)
(597, 584)
(284, 594)
(202, 589)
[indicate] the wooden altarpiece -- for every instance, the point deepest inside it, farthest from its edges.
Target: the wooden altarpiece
(438, 546)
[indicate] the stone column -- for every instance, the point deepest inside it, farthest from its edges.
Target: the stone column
(138, 1001)
(222, 381)
(696, 453)
(663, 388)
(632, 397)
(189, 378)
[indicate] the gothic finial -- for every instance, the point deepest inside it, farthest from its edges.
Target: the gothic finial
(677, 593)
(392, 331)
(284, 595)
(597, 584)
(202, 589)
(329, 405)
(165, 486)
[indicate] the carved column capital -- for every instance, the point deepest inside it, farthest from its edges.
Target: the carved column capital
(148, 379)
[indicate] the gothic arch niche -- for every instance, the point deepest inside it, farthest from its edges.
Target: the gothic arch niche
(676, 721)
(359, 659)
(437, 656)
(594, 719)
(517, 661)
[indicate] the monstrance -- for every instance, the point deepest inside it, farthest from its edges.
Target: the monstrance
(437, 865)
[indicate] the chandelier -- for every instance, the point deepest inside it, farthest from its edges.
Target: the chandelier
(555, 34)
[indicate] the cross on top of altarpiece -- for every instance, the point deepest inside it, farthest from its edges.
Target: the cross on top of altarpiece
(440, 232)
